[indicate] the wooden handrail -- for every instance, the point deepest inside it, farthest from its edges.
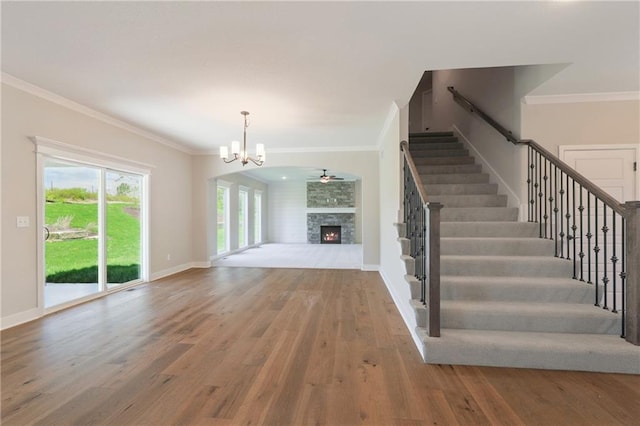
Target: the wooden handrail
(583, 181)
(586, 183)
(404, 147)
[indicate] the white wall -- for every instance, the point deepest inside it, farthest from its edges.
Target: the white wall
(582, 123)
(288, 212)
(392, 268)
(25, 115)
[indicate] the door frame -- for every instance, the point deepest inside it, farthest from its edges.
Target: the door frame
(49, 148)
(562, 149)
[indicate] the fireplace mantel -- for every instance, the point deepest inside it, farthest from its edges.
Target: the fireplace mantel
(331, 209)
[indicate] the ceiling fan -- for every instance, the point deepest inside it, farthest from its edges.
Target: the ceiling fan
(325, 178)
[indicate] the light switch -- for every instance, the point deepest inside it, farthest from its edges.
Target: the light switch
(22, 221)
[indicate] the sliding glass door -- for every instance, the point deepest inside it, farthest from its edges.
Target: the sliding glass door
(123, 230)
(93, 229)
(71, 248)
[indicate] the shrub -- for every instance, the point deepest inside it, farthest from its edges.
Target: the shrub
(70, 194)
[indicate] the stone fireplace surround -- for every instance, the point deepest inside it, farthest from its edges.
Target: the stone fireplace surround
(331, 204)
(346, 220)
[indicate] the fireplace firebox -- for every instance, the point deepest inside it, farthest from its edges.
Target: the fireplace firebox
(330, 234)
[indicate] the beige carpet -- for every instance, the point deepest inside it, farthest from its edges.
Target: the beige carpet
(321, 256)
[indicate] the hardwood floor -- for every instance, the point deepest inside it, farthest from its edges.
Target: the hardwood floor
(232, 346)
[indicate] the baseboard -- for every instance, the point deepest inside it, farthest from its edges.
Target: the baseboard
(503, 188)
(370, 267)
(408, 316)
(20, 318)
(177, 269)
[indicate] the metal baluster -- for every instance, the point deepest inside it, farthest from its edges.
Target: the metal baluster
(568, 216)
(605, 279)
(561, 214)
(546, 191)
(573, 226)
(581, 209)
(555, 207)
(589, 235)
(529, 185)
(623, 277)
(614, 261)
(596, 250)
(540, 193)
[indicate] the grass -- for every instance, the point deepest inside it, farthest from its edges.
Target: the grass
(76, 260)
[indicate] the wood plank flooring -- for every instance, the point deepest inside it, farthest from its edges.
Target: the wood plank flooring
(233, 346)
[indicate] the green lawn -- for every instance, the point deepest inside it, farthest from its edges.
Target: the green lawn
(76, 260)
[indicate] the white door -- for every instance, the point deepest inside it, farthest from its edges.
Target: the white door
(612, 168)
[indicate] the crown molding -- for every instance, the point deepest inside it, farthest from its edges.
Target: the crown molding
(581, 97)
(306, 150)
(32, 89)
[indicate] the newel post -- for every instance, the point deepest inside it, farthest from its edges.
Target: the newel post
(433, 295)
(632, 302)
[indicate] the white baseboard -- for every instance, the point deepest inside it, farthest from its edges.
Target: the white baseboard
(20, 318)
(177, 269)
(406, 312)
(369, 267)
(512, 197)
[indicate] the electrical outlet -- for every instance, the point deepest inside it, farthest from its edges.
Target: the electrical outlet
(22, 221)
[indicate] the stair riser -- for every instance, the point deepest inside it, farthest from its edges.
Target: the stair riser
(427, 146)
(441, 137)
(448, 169)
(462, 189)
(409, 264)
(480, 214)
(528, 352)
(543, 323)
(496, 247)
(514, 266)
(442, 161)
(489, 229)
(470, 200)
(490, 292)
(438, 153)
(462, 178)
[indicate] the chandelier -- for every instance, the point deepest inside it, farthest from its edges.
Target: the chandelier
(243, 155)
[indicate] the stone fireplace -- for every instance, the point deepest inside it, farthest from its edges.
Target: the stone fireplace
(331, 213)
(345, 221)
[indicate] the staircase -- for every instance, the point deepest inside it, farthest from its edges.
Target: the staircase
(505, 299)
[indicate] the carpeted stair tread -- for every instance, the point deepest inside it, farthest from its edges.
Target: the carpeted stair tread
(427, 146)
(554, 351)
(442, 161)
(543, 266)
(480, 214)
(470, 200)
(509, 288)
(489, 229)
(445, 169)
(528, 317)
(441, 153)
(496, 246)
(461, 189)
(448, 178)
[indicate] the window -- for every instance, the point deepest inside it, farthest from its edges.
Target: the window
(257, 217)
(223, 219)
(243, 218)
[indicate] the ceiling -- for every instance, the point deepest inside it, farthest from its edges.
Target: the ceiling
(313, 75)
